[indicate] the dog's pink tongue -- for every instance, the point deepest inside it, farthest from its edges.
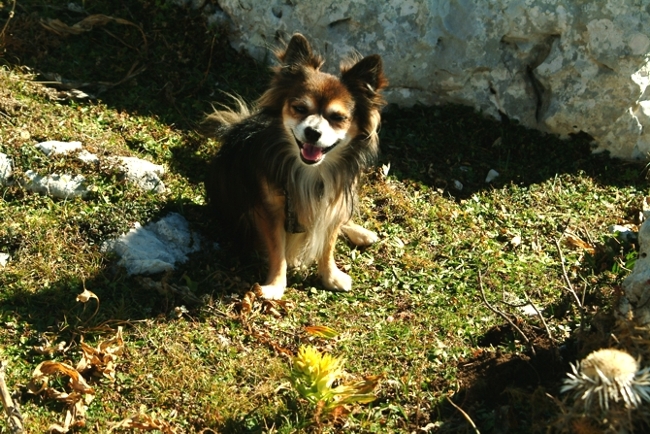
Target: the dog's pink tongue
(311, 152)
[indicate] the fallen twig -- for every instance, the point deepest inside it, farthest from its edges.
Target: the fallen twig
(503, 315)
(541, 317)
(87, 24)
(565, 275)
(465, 415)
(14, 417)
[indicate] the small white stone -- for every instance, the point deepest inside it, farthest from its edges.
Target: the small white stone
(491, 176)
(458, 185)
(61, 186)
(5, 169)
(54, 147)
(528, 310)
(4, 259)
(624, 233)
(515, 241)
(145, 174)
(87, 157)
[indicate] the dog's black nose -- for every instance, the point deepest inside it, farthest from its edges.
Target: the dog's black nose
(312, 135)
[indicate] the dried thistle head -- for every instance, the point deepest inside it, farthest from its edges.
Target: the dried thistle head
(609, 374)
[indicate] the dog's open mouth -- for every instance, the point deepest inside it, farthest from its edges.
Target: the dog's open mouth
(312, 154)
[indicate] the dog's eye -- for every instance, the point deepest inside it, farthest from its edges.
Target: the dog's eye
(300, 109)
(337, 117)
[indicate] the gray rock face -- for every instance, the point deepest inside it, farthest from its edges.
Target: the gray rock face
(562, 66)
(635, 304)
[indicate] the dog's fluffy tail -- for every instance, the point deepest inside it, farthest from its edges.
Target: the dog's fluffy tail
(215, 123)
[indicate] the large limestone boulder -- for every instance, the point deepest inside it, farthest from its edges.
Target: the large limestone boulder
(562, 66)
(635, 302)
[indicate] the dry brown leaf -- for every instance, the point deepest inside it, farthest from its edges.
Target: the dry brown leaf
(60, 28)
(101, 360)
(86, 295)
(322, 331)
(270, 309)
(75, 417)
(368, 384)
(144, 422)
(247, 302)
(77, 400)
(578, 243)
(45, 370)
(265, 338)
(48, 349)
(284, 304)
(276, 307)
(256, 289)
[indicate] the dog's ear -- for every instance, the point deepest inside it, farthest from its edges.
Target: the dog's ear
(368, 74)
(298, 52)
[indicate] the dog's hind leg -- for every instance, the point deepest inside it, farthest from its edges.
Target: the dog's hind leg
(359, 236)
(331, 276)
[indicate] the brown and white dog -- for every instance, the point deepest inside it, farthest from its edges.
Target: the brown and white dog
(287, 170)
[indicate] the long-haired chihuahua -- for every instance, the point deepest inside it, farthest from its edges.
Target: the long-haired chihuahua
(287, 170)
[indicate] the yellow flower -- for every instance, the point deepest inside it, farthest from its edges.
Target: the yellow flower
(609, 374)
(314, 374)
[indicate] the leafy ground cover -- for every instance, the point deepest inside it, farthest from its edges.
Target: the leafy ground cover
(418, 321)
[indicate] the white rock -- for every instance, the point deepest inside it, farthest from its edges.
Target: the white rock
(458, 185)
(87, 157)
(54, 147)
(624, 233)
(61, 186)
(5, 169)
(4, 259)
(528, 310)
(491, 176)
(155, 247)
(557, 65)
(142, 173)
(635, 303)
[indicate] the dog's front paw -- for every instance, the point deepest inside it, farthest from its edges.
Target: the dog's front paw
(336, 280)
(269, 292)
(358, 235)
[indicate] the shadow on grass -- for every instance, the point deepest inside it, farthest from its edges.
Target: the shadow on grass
(214, 272)
(454, 148)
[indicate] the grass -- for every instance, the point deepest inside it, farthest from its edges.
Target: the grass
(415, 315)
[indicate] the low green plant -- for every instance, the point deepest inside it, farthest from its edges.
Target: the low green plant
(314, 376)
